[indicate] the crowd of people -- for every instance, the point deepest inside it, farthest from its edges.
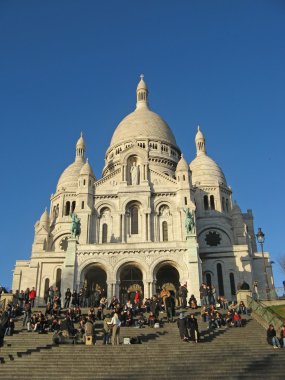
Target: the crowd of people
(63, 315)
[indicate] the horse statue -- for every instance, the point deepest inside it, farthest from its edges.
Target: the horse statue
(189, 220)
(75, 226)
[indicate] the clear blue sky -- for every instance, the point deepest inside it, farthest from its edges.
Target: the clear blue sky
(71, 66)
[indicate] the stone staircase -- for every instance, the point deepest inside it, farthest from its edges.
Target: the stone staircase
(230, 353)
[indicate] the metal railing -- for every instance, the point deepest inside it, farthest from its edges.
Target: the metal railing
(265, 314)
(269, 294)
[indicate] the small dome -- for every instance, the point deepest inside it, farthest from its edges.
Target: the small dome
(206, 171)
(87, 170)
(44, 220)
(199, 135)
(142, 85)
(80, 142)
(236, 209)
(69, 177)
(182, 165)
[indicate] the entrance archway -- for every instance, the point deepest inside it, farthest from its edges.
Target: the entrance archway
(167, 277)
(131, 280)
(95, 282)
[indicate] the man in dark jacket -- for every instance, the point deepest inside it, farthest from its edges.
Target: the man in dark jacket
(182, 325)
(192, 325)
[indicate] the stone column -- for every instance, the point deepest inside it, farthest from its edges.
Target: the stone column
(145, 289)
(116, 289)
(69, 266)
(194, 266)
(148, 227)
(109, 291)
(123, 227)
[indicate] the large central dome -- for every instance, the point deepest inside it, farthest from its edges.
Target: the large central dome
(142, 123)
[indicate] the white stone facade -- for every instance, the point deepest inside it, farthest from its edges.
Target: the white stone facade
(132, 220)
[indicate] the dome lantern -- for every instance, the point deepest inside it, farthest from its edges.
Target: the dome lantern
(142, 93)
(80, 149)
(200, 142)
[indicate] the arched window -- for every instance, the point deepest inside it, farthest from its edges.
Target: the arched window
(67, 208)
(164, 231)
(185, 201)
(223, 203)
(233, 285)
(73, 206)
(58, 278)
(104, 233)
(134, 220)
(183, 177)
(212, 202)
(208, 279)
(46, 288)
(82, 205)
(227, 205)
(84, 182)
(220, 279)
(206, 202)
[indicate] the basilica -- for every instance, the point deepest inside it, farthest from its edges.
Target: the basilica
(134, 231)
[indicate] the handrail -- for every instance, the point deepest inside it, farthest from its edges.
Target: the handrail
(269, 294)
(265, 313)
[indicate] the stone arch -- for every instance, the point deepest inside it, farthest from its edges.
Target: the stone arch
(222, 231)
(130, 277)
(160, 202)
(94, 278)
(45, 281)
(134, 151)
(143, 203)
(164, 213)
(105, 225)
(53, 278)
(220, 270)
(134, 221)
(55, 245)
(87, 264)
(139, 263)
(167, 276)
(159, 263)
(105, 203)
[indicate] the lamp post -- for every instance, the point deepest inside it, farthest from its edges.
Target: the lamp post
(260, 236)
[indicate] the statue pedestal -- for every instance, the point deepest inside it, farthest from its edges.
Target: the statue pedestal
(195, 267)
(69, 266)
(242, 296)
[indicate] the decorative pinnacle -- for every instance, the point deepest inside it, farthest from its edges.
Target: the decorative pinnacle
(198, 127)
(141, 76)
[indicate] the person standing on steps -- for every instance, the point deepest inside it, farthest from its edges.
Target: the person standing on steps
(193, 330)
(67, 298)
(32, 296)
(182, 325)
(116, 325)
(164, 294)
(183, 295)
